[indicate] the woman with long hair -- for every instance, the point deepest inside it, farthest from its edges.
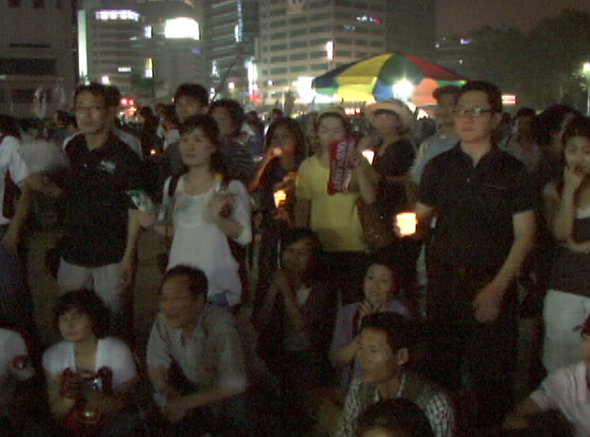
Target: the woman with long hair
(209, 213)
(567, 208)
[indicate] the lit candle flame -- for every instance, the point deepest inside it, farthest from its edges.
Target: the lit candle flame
(406, 222)
(369, 154)
(280, 196)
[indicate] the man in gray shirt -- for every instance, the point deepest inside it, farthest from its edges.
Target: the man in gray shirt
(202, 343)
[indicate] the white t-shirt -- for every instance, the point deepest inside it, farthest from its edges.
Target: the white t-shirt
(11, 160)
(198, 242)
(111, 352)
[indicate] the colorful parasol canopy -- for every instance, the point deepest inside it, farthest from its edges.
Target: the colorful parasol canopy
(385, 77)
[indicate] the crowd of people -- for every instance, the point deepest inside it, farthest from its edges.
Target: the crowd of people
(363, 329)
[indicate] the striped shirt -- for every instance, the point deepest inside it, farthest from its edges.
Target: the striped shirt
(432, 399)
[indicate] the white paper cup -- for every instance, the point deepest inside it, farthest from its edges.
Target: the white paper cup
(279, 196)
(406, 222)
(369, 154)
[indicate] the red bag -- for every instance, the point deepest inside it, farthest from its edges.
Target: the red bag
(81, 421)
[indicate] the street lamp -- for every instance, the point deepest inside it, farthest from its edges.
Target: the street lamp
(586, 71)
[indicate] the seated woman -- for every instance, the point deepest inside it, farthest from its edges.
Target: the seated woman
(296, 316)
(89, 377)
(380, 291)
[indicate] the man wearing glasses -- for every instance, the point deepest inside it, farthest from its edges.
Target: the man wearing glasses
(99, 247)
(485, 228)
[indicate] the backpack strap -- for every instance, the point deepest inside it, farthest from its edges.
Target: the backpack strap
(173, 184)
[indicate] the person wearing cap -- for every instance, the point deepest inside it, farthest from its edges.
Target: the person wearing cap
(445, 138)
(485, 225)
(566, 390)
(335, 217)
(395, 153)
(394, 156)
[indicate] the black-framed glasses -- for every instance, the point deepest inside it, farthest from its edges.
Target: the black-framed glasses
(472, 112)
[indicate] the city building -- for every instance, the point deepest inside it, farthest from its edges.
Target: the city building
(174, 40)
(37, 56)
(111, 45)
(231, 34)
(302, 39)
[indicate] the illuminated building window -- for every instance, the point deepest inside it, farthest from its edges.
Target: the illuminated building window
(106, 15)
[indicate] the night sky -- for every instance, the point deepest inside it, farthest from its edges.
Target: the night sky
(458, 16)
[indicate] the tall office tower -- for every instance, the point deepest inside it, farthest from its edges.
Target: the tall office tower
(36, 55)
(411, 27)
(231, 33)
(111, 47)
(173, 32)
(302, 39)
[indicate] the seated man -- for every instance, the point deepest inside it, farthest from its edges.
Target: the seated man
(566, 390)
(195, 359)
(385, 344)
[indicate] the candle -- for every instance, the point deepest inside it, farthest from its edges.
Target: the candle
(369, 154)
(280, 196)
(406, 222)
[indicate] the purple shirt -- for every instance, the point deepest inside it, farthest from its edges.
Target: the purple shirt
(567, 390)
(345, 331)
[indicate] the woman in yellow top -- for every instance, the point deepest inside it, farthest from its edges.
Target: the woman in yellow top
(335, 217)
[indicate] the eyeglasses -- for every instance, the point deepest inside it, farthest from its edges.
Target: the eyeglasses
(87, 109)
(472, 112)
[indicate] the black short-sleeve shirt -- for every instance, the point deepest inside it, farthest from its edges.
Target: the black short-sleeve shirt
(396, 161)
(96, 202)
(474, 205)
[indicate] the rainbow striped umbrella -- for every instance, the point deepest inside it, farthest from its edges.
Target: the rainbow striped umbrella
(378, 77)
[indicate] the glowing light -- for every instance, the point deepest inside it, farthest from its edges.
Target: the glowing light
(407, 222)
(403, 90)
(509, 99)
(330, 50)
(369, 155)
(182, 27)
(105, 80)
(280, 197)
(107, 15)
(231, 85)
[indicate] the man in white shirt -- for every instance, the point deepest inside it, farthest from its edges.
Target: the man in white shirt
(566, 390)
